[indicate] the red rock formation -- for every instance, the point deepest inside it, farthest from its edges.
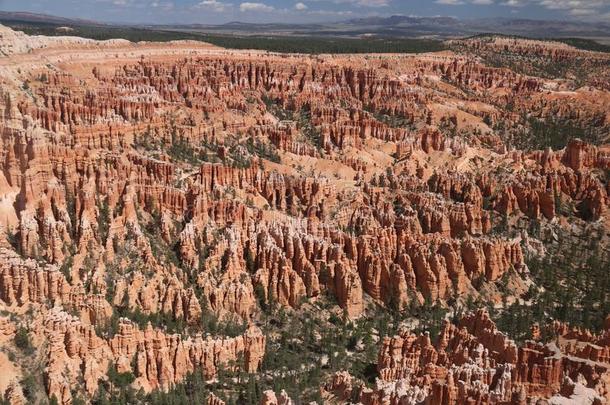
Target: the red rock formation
(14, 394)
(269, 398)
(7, 329)
(161, 360)
(474, 362)
(196, 182)
(214, 400)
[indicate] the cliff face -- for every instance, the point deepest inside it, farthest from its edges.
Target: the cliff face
(147, 203)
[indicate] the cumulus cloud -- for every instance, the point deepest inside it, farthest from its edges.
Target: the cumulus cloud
(214, 5)
(575, 7)
(163, 5)
(245, 7)
(373, 3)
(301, 6)
(460, 2)
(449, 2)
(337, 13)
(362, 3)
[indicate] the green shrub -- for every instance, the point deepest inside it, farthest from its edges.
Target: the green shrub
(120, 380)
(22, 341)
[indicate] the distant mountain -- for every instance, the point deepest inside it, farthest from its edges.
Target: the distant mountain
(539, 28)
(442, 26)
(43, 18)
(408, 26)
(393, 26)
(402, 20)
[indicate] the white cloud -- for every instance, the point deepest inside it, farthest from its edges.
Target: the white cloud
(363, 3)
(163, 5)
(245, 7)
(214, 5)
(575, 7)
(338, 13)
(373, 3)
(513, 3)
(460, 2)
(300, 6)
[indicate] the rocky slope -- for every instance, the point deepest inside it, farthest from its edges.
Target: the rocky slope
(472, 362)
(159, 202)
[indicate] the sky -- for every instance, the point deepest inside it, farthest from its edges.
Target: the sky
(306, 11)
